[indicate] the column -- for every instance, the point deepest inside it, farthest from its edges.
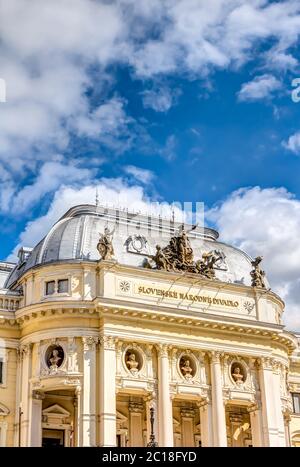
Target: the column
(136, 424)
(108, 391)
(287, 420)
(218, 408)
(256, 425)
(277, 368)
(77, 420)
(24, 404)
(89, 392)
(236, 421)
(206, 425)
(270, 398)
(18, 398)
(165, 410)
(187, 427)
(3, 432)
(35, 419)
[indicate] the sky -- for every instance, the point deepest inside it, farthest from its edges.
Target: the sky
(156, 100)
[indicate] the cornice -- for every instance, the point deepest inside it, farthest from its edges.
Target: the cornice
(109, 307)
(210, 323)
(8, 319)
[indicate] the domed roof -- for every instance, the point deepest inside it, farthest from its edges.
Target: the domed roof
(75, 236)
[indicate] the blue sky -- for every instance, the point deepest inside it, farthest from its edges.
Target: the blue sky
(178, 100)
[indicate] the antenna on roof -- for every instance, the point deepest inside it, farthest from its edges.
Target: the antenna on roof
(173, 213)
(97, 199)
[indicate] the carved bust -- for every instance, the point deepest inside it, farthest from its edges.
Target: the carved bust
(132, 363)
(55, 358)
(237, 375)
(186, 369)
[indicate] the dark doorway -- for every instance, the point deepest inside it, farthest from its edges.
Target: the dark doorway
(53, 439)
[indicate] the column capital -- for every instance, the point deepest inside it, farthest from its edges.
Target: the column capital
(187, 412)
(38, 395)
(25, 350)
(163, 350)
(215, 356)
(89, 343)
(136, 407)
(236, 418)
(108, 342)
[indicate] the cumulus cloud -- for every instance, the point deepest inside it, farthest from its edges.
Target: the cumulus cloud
(142, 175)
(160, 99)
(266, 222)
(48, 50)
(111, 192)
(261, 87)
(293, 143)
(51, 177)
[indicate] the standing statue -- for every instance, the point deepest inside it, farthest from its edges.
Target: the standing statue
(257, 273)
(105, 246)
(185, 252)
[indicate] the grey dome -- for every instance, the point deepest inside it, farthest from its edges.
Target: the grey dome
(75, 236)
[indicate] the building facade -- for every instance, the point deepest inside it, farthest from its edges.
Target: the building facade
(94, 332)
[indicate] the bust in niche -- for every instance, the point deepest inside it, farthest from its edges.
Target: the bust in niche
(55, 358)
(132, 364)
(186, 370)
(237, 375)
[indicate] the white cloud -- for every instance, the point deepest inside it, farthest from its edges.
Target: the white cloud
(47, 50)
(261, 87)
(160, 99)
(142, 175)
(51, 176)
(293, 143)
(266, 222)
(111, 192)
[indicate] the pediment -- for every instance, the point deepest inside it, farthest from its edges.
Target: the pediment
(56, 410)
(3, 410)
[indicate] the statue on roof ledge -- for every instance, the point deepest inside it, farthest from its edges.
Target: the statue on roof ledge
(105, 246)
(257, 274)
(178, 256)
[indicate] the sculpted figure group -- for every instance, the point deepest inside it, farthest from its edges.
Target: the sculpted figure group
(178, 256)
